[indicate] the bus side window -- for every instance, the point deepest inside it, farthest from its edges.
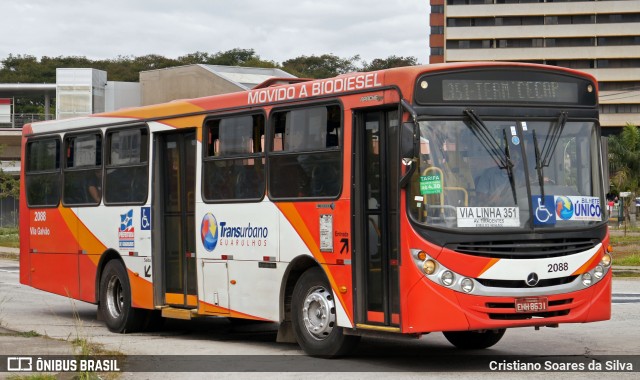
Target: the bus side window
(306, 157)
(83, 170)
(234, 159)
(127, 170)
(43, 172)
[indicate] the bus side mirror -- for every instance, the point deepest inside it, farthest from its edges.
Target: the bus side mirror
(408, 142)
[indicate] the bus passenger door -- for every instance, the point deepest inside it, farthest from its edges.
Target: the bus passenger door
(375, 181)
(176, 184)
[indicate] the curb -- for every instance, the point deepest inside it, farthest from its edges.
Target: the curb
(626, 270)
(10, 253)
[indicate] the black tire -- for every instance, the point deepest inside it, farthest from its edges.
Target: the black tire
(115, 300)
(313, 308)
(474, 340)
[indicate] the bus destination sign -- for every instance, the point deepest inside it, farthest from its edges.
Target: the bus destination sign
(494, 87)
(509, 91)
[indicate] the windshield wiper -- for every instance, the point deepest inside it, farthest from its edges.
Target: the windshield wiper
(543, 159)
(507, 153)
(501, 158)
(487, 140)
(552, 139)
(538, 165)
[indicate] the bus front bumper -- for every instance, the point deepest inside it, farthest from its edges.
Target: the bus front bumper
(432, 307)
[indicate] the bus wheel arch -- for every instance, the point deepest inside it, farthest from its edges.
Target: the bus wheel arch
(291, 276)
(313, 317)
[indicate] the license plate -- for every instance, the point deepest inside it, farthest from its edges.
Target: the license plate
(531, 304)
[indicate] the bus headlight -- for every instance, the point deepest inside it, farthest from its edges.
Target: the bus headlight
(429, 267)
(598, 271)
(587, 279)
(467, 285)
(606, 260)
(447, 278)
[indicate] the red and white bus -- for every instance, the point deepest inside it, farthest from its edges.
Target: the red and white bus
(462, 198)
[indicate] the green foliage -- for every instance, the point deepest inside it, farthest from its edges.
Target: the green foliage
(9, 185)
(389, 62)
(317, 67)
(632, 260)
(33, 377)
(624, 150)
(9, 237)
(28, 334)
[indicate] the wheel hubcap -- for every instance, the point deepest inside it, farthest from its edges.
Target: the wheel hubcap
(115, 297)
(319, 313)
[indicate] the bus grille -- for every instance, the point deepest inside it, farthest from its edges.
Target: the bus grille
(512, 316)
(522, 283)
(526, 249)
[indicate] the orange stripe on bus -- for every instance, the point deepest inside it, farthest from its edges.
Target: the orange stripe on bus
(155, 111)
(206, 307)
(293, 216)
(86, 240)
(491, 263)
(590, 263)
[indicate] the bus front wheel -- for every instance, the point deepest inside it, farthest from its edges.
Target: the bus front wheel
(313, 312)
(115, 300)
(474, 340)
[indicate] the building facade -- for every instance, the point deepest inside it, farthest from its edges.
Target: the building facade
(601, 37)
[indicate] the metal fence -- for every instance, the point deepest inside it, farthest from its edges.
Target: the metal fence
(20, 119)
(9, 212)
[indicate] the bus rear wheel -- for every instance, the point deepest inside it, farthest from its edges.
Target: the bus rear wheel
(313, 312)
(115, 300)
(474, 340)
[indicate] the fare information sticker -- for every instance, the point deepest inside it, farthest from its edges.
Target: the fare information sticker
(488, 216)
(430, 184)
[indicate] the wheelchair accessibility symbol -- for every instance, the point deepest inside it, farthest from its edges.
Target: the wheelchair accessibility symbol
(544, 210)
(145, 218)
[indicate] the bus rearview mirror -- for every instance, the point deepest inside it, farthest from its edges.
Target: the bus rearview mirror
(408, 141)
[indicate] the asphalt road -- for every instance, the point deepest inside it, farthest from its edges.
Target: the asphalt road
(249, 348)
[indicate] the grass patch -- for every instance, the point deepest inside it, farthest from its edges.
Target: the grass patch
(32, 377)
(84, 347)
(625, 274)
(22, 334)
(631, 260)
(624, 240)
(9, 256)
(9, 237)
(28, 334)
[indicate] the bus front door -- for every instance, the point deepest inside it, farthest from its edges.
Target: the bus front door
(176, 165)
(376, 221)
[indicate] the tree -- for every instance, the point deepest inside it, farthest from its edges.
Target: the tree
(9, 184)
(233, 57)
(194, 58)
(389, 62)
(624, 163)
(625, 158)
(318, 67)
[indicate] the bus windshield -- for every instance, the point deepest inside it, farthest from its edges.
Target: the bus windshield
(521, 174)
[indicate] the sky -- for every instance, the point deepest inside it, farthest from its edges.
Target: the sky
(276, 29)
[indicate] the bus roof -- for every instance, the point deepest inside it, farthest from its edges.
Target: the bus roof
(274, 92)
